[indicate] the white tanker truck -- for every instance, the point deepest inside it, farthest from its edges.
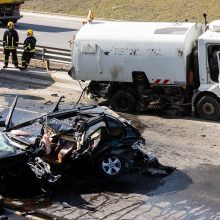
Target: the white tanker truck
(142, 65)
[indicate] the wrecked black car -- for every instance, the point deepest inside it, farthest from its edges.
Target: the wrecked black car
(108, 144)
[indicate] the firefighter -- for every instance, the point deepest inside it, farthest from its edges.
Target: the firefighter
(29, 49)
(10, 44)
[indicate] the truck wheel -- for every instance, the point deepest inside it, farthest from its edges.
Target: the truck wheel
(208, 107)
(4, 23)
(14, 21)
(123, 101)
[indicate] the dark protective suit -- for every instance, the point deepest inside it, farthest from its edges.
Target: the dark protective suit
(29, 50)
(10, 44)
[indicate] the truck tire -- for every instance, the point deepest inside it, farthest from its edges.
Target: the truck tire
(208, 107)
(14, 21)
(123, 101)
(4, 23)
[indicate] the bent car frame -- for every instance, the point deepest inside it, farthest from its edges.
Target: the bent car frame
(93, 134)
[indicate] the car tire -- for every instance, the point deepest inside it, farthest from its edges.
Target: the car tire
(111, 166)
(208, 107)
(123, 101)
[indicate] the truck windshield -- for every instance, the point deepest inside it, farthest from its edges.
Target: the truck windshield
(213, 62)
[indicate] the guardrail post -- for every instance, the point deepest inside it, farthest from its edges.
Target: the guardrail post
(47, 63)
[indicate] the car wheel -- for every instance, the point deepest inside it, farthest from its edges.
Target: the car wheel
(123, 101)
(111, 166)
(208, 107)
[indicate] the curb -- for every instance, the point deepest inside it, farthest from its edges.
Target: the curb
(28, 216)
(54, 16)
(33, 76)
(40, 77)
(29, 80)
(61, 76)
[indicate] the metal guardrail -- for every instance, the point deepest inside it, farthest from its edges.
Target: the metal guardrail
(46, 54)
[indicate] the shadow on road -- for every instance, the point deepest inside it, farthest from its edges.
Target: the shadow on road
(33, 78)
(43, 28)
(89, 192)
(94, 187)
(13, 95)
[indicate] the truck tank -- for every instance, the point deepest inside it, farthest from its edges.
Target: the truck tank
(112, 51)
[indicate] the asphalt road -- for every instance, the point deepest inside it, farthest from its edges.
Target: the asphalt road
(190, 192)
(51, 31)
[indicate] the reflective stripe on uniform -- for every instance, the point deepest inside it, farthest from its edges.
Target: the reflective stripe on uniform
(10, 47)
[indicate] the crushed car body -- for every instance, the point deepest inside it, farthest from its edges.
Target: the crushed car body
(95, 134)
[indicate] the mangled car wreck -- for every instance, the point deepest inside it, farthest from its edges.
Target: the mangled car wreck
(93, 134)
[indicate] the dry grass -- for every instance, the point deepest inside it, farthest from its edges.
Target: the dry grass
(135, 10)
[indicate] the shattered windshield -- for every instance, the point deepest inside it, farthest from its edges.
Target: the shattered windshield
(5, 146)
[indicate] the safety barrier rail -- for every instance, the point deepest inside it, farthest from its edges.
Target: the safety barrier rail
(46, 54)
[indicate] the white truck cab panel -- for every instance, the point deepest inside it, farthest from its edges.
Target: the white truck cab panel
(209, 39)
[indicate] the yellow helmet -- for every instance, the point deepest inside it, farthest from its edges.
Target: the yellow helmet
(30, 32)
(10, 24)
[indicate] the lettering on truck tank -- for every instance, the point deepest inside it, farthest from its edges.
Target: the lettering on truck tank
(124, 51)
(179, 52)
(153, 52)
(134, 52)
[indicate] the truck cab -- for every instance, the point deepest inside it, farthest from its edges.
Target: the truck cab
(207, 98)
